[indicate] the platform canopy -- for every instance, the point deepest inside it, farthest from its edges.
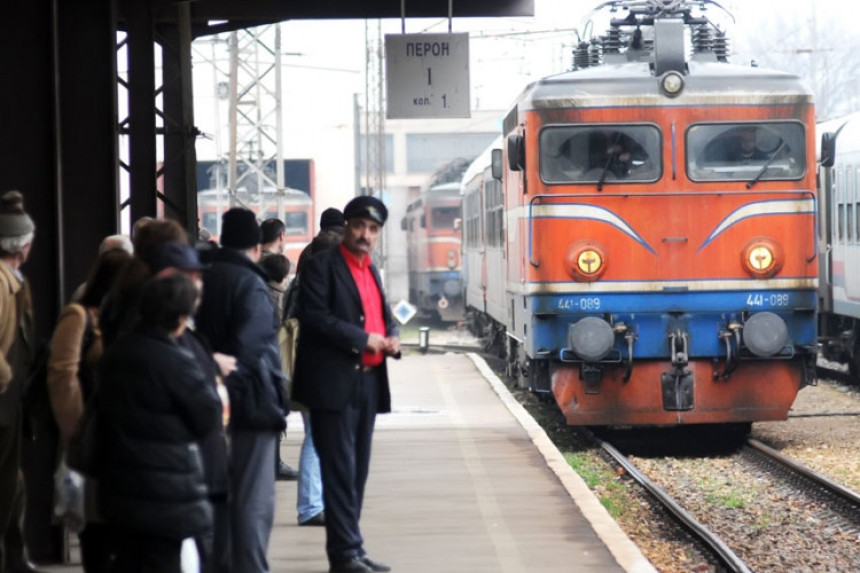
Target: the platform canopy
(214, 16)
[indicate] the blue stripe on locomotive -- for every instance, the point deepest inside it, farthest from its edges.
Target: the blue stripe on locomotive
(654, 315)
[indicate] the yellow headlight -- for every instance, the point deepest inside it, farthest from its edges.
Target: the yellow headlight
(589, 261)
(585, 260)
(761, 258)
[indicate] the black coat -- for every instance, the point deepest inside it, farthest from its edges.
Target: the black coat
(154, 405)
(238, 317)
(331, 335)
(213, 447)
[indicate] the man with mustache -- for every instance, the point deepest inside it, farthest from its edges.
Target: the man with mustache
(346, 332)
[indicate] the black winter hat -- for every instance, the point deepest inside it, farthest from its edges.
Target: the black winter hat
(366, 206)
(331, 217)
(14, 221)
(240, 229)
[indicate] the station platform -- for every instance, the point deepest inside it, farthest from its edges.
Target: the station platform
(462, 479)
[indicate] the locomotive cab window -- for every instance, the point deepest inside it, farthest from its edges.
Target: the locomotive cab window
(296, 223)
(746, 151)
(444, 217)
(597, 153)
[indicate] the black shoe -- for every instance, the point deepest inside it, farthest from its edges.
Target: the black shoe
(286, 473)
(375, 565)
(318, 519)
(354, 565)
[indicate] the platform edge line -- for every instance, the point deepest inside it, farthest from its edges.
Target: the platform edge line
(626, 553)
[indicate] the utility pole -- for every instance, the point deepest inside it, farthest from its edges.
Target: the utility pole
(374, 117)
(255, 116)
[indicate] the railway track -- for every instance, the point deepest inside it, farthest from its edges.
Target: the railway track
(836, 490)
(729, 560)
(835, 503)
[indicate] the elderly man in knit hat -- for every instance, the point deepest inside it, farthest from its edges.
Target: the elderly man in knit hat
(16, 353)
(237, 316)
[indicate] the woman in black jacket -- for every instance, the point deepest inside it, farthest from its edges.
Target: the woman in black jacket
(154, 405)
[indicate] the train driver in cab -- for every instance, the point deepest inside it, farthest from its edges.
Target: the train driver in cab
(744, 148)
(614, 152)
(736, 147)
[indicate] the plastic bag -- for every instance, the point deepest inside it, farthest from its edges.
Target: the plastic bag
(69, 497)
(189, 557)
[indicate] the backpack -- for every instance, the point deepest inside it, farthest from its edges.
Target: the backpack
(288, 337)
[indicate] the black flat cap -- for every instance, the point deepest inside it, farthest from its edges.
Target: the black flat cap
(367, 207)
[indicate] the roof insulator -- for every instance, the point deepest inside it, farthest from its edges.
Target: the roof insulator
(612, 41)
(721, 46)
(702, 40)
(581, 56)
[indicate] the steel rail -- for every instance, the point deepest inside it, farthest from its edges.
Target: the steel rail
(831, 486)
(728, 557)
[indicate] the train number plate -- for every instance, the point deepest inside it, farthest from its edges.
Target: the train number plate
(581, 303)
(767, 300)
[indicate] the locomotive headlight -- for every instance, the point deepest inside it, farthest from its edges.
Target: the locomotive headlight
(589, 261)
(762, 257)
(672, 84)
(585, 261)
(452, 259)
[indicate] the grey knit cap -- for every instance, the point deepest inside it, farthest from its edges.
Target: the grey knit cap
(14, 221)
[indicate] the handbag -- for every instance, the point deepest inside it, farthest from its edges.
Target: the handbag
(82, 454)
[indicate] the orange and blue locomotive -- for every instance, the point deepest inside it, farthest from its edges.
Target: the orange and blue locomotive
(432, 225)
(656, 262)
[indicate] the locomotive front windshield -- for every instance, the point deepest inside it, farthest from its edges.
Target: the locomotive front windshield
(444, 217)
(746, 151)
(296, 223)
(600, 153)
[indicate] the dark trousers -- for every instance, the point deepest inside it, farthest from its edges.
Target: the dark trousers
(11, 495)
(343, 439)
(137, 553)
(97, 547)
(214, 545)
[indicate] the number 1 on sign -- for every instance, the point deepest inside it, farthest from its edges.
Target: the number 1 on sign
(429, 76)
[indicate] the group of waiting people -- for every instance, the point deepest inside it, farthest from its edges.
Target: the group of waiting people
(179, 359)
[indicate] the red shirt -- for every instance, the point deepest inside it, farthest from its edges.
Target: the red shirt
(371, 301)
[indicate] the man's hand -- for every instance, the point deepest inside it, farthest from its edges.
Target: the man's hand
(392, 345)
(376, 342)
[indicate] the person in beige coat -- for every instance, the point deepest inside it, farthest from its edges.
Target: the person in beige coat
(76, 347)
(16, 356)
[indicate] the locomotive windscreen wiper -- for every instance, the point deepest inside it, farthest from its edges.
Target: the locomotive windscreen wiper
(605, 171)
(764, 167)
(613, 152)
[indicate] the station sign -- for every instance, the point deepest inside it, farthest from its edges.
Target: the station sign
(427, 75)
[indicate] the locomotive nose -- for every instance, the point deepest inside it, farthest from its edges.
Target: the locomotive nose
(765, 334)
(591, 338)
